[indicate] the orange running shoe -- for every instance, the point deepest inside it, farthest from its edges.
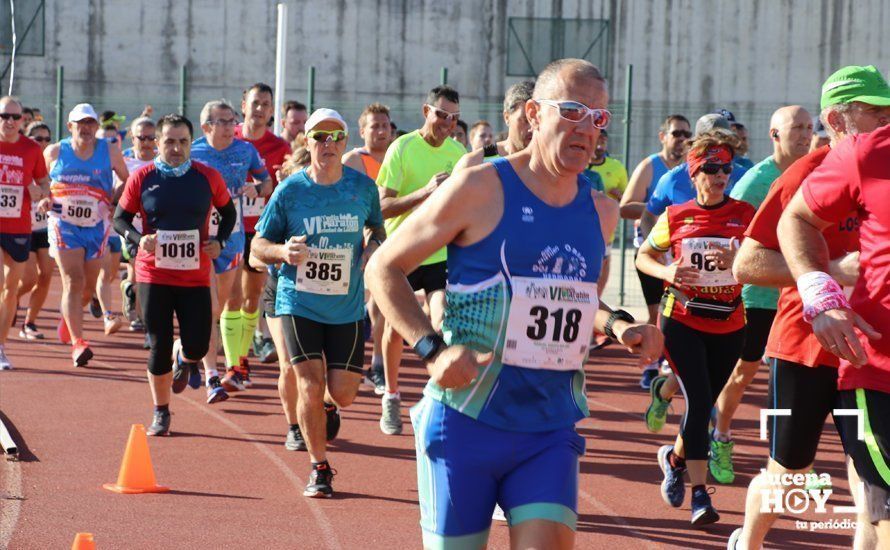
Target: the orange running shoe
(81, 353)
(232, 381)
(62, 331)
(244, 371)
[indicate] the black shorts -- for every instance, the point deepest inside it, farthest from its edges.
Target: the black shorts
(39, 240)
(653, 287)
(270, 290)
(759, 322)
(810, 393)
(342, 346)
(17, 245)
(871, 454)
(429, 278)
(193, 310)
(248, 240)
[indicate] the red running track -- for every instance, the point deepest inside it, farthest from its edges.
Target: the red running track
(235, 486)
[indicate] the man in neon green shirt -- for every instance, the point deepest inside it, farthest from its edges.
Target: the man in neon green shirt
(612, 171)
(414, 166)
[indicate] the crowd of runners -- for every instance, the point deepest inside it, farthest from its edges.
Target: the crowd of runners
(487, 255)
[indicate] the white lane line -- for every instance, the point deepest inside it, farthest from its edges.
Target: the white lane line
(10, 501)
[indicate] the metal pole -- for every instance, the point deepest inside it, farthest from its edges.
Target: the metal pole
(280, 55)
(310, 94)
(183, 75)
(60, 76)
(443, 76)
(622, 238)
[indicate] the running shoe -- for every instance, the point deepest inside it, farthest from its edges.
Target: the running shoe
(128, 294)
(146, 342)
(656, 413)
(294, 440)
(816, 483)
(703, 513)
(29, 332)
(720, 461)
(648, 376)
(95, 308)
(673, 490)
(180, 370)
(160, 424)
(113, 323)
(377, 379)
(232, 381)
(81, 353)
(267, 352)
(62, 331)
(320, 479)
(215, 391)
(244, 371)
(4, 360)
(391, 420)
(734, 539)
(136, 325)
(333, 421)
(194, 376)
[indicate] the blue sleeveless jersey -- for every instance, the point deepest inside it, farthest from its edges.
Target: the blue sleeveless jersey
(531, 240)
(93, 172)
(659, 168)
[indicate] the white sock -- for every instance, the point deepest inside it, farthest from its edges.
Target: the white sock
(390, 395)
(720, 436)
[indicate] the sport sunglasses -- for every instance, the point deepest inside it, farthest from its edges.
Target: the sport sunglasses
(325, 136)
(577, 112)
(712, 168)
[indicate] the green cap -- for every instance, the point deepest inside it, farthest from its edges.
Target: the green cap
(855, 83)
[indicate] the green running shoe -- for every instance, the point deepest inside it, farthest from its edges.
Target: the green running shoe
(814, 483)
(656, 413)
(720, 461)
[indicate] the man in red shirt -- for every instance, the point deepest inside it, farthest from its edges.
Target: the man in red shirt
(23, 178)
(257, 108)
(853, 177)
(803, 377)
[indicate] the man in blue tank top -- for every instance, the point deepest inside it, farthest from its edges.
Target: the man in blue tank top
(506, 388)
(674, 133)
(80, 168)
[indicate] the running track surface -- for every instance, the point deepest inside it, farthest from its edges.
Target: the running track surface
(235, 486)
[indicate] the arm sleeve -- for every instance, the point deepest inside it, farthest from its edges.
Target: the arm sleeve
(832, 190)
(660, 199)
(660, 236)
(123, 224)
(228, 216)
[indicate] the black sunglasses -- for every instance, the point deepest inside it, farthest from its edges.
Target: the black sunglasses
(42, 139)
(682, 133)
(711, 169)
(145, 138)
(13, 116)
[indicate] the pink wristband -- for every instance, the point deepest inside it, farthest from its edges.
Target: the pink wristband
(820, 293)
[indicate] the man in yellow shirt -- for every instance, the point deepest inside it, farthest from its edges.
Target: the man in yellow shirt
(414, 166)
(612, 172)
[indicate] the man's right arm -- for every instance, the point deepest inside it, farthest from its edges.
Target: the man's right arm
(633, 202)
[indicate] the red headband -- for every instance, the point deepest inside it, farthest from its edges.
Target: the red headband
(719, 154)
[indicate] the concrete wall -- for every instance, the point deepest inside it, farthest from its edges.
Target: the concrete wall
(688, 55)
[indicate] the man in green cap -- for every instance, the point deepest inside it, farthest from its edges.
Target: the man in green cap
(803, 377)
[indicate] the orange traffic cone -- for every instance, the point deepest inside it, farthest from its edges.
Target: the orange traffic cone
(84, 541)
(136, 474)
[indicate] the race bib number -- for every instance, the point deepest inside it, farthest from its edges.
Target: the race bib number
(253, 208)
(38, 218)
(11, 197)
(694, 251)
(550, 323)
(326, 271)
(179, 250)
(215, 218)
(82, 211)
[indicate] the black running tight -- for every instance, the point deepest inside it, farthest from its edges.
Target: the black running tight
(192, 307)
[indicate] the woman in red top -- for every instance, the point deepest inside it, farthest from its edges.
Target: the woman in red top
(702, 316)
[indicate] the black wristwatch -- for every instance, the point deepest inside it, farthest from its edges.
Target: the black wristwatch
(428, 346)
(618, 314)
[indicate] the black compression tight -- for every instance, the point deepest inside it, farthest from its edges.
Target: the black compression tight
(192, 307)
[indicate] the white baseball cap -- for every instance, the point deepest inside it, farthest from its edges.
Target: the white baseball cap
(82, 111)
(323, 114)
